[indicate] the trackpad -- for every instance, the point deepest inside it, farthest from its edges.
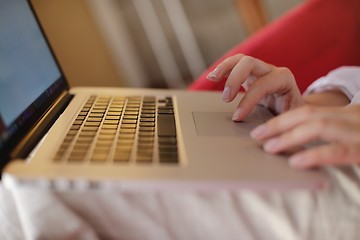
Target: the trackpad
(220, 123)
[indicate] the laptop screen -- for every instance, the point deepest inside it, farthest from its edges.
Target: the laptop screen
(30, 78)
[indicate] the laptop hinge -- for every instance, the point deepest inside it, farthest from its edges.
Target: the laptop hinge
(41, 127)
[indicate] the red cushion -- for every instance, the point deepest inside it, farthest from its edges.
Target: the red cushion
(311, 40)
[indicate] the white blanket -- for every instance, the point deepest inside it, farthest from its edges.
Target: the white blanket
(330, 214)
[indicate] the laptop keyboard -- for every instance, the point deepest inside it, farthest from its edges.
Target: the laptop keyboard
(120, 129)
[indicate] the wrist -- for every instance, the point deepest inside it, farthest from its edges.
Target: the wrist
(334, 97)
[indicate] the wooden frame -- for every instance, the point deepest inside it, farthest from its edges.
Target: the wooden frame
(253, 14)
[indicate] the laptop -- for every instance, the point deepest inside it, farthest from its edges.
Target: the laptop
(59, 137)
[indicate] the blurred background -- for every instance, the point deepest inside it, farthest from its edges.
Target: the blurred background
(148, 43)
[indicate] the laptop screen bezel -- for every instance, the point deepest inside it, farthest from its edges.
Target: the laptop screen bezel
(24, 123)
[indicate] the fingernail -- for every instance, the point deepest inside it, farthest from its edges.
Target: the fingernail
(298, 161)
(236, 114)
(259, 132)
(272, 145)
(227, 94)
(214, 75)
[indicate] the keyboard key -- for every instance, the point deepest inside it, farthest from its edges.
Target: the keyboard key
(166, 126)
(147, 124)
(168, 157)
(146, 134)
(131, 126)
(125, 142)
(150, 116)
(122, 157)
(167, 148)
(146, 129)
(128, 121)
(145, 140)
(92, 124)
(126, 130)
(167, 140)
(144, 157)
(100, 115)
(126, 136)
(106, 126)
(113, 113)
(146, 145)
(143, 119)
(94, 119)
(112, 117)
(130, 117)
(99, 157)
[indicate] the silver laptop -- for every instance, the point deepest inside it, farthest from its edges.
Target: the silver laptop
(71, 138)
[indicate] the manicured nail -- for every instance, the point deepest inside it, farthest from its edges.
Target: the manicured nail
(227, 94)
(298, 161)
(214, 75)
(272, 145)
(236, 114)
(258, 132)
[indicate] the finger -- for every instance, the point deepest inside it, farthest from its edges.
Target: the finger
(298, 136)
(332, 154)
(326, 130)
(246, 68)
(336, 124)
(352, 112)
(289, 120)
(340, 130)
(224, 68)
(279, 81)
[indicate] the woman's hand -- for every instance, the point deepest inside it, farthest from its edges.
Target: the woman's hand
(273, 87)
(337, 127)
